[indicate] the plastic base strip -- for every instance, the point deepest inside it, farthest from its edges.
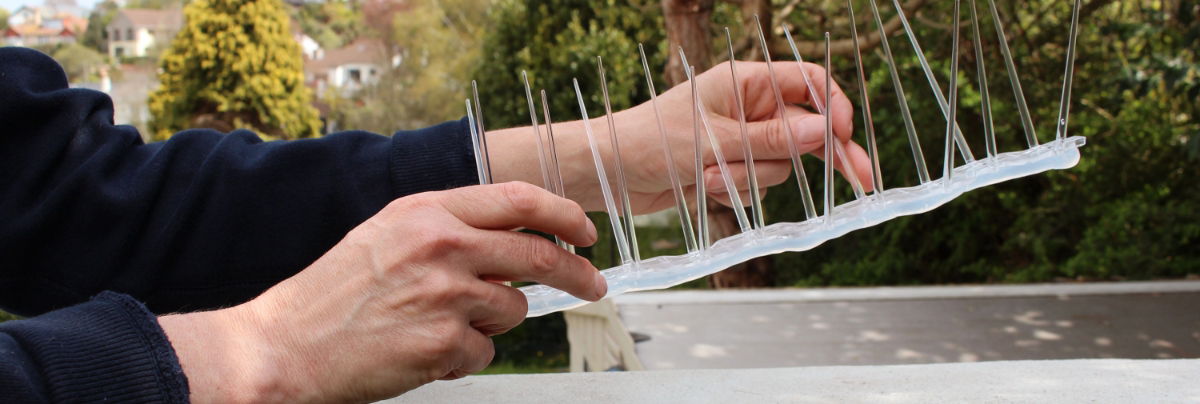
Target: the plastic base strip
(667, 271)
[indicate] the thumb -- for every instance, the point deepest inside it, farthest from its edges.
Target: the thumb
(769, 138)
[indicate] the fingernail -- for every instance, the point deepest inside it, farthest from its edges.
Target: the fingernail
(601, 286)
(713, 182)
(591, 230)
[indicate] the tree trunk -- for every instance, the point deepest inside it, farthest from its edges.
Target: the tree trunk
(688, 26)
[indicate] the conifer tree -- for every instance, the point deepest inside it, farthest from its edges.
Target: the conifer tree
(234, 65)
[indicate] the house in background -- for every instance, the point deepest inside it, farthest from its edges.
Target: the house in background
(348, 68)
(49, 11)
(308, 46)
(55, 23)
(136, 32)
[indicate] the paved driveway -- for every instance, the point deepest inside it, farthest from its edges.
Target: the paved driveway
(875, 326)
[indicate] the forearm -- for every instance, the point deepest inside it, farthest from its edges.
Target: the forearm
(203, 220)
(514, 154)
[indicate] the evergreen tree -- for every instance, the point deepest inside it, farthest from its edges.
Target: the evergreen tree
(3, 19)
(234, 65)
(558, 40)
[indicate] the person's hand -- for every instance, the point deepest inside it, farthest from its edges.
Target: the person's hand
(641, 145)
(406, 298)
(767, 137)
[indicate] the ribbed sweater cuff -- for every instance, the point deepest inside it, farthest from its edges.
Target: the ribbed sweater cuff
(432, 159)
(108, 349)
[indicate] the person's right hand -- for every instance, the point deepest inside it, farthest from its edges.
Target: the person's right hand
(406, 298)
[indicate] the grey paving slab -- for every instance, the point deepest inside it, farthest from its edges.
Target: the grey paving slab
(1070, 381)
(695, 333)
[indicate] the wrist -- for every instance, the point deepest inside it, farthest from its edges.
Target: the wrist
(226, 357)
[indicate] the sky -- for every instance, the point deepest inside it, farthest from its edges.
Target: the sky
(12, 5)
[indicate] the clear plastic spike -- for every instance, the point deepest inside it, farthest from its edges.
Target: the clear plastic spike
(1064, 106)
(756, 210)
(948, 168)
(810, 210)
(555, 171)
(701, 191)
(855, 184)
(473, 130)
(913, 142)
(537, 133)
(864, 99)
(738, 210)
(1018, 93)
(602, 176)
(933, 84)
(622, 185)
(989, 130)
(483, 148)
(829, 138)
(685, 217)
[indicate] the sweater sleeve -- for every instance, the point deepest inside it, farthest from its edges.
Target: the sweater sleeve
(108, 349)
(203, 220)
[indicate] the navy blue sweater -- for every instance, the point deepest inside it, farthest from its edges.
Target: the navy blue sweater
(98, 231)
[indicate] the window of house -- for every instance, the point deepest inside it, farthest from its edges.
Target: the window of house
(116, 35)
(118, 51)
(129, 34)
(355, 75)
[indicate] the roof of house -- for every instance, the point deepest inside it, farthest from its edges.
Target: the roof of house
(30, 30)
(361, 51)
(151, 18)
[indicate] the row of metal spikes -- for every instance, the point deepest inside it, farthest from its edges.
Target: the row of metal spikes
(698, 238)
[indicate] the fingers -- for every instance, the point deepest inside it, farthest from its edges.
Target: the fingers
(476, 354)
(725, 200)
(768, 139)
(860, 164)
(795, 91)
(516, 204)
(497, 308)
(768, 172)
(513, 256)
(775, 172)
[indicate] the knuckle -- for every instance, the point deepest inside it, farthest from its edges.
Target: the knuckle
(724, 66)
(523, 198)
(447, 346)
(814, 69)
(542, 258)
(776, 136)
(441, 345)
(439, 240)
(447, 240)
(440, 287)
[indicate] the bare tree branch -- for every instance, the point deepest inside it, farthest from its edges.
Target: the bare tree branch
(845, 46)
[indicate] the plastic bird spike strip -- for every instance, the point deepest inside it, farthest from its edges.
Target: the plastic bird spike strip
(757, 239)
